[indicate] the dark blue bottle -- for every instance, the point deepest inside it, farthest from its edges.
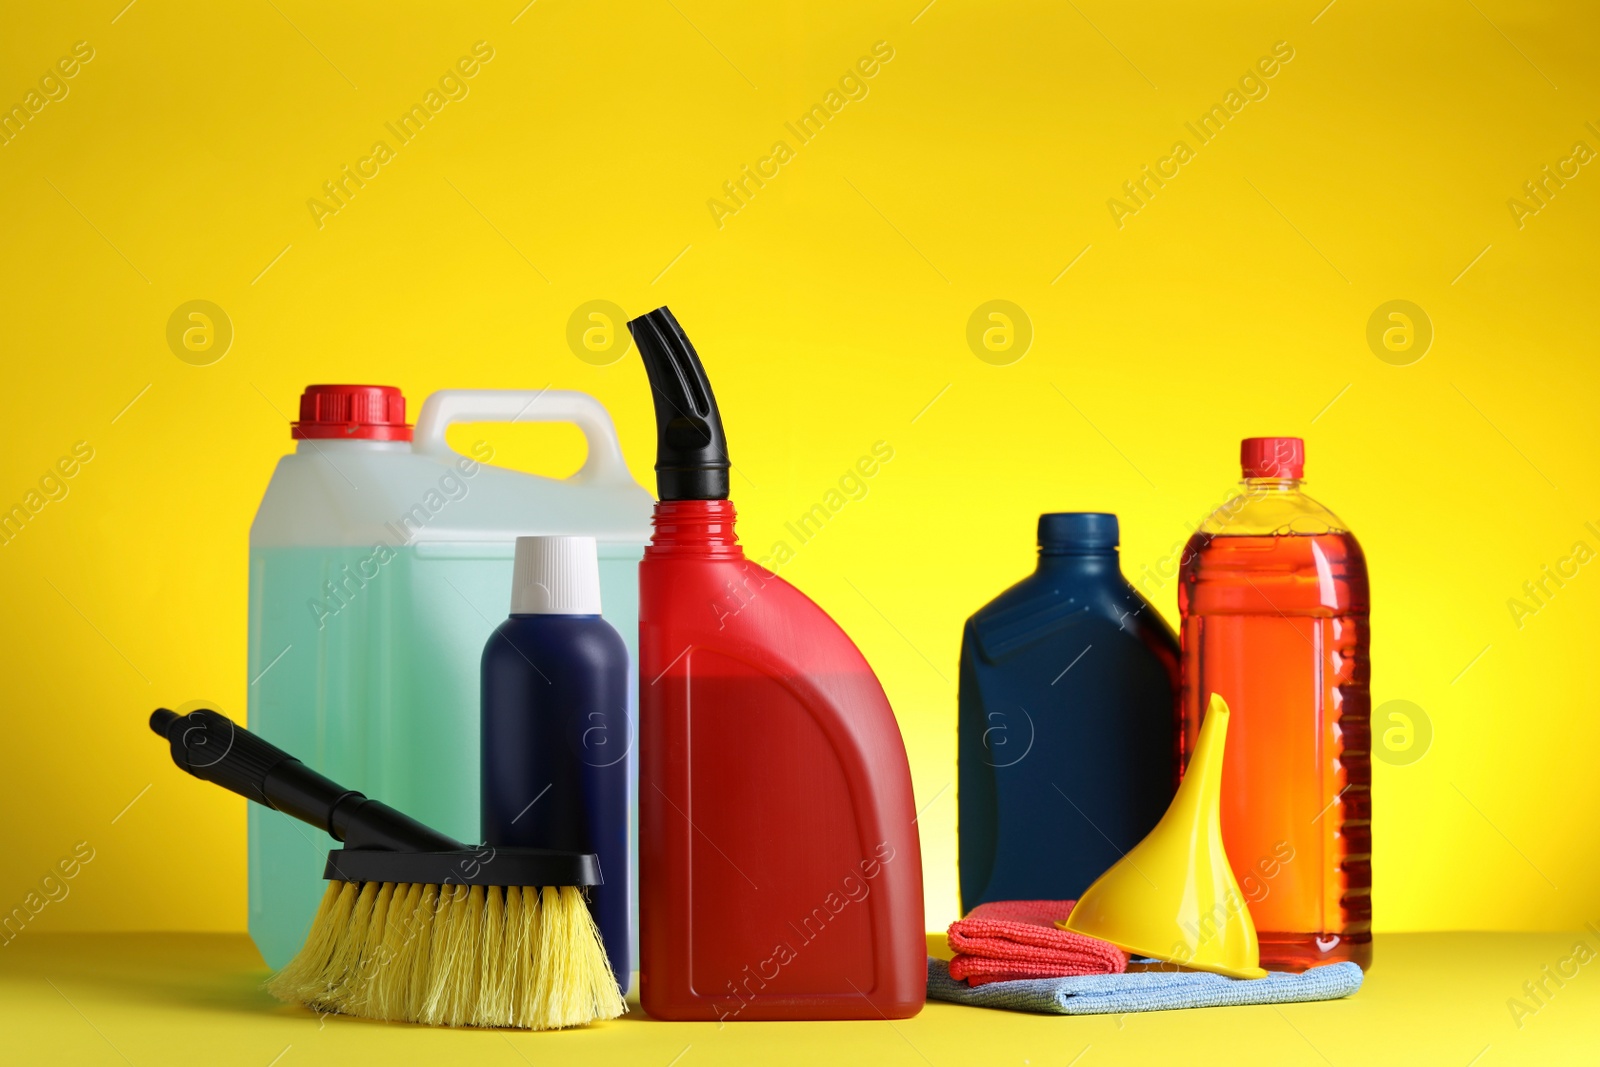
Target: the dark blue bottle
(555, 733)
(1068, 731)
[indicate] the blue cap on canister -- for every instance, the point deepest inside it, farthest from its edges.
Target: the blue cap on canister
(1063, 532)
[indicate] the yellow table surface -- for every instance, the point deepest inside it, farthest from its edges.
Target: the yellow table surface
(197, 998)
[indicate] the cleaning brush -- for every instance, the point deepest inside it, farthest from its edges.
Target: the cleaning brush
(416, 926)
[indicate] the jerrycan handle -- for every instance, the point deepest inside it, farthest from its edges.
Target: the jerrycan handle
(604, 465)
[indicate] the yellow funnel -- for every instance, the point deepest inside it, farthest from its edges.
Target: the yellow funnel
(1174, 896)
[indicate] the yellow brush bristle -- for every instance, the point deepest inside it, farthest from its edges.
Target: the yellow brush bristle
(454, 955)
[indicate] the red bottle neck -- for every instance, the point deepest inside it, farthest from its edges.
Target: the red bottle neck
(700, 529)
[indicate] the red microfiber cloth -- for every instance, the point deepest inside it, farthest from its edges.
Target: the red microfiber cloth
(1009, 939)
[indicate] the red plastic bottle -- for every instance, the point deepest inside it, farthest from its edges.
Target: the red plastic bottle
(1274, 602)
(780, 875)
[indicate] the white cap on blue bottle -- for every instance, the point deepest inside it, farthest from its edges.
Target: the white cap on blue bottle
(555, 576)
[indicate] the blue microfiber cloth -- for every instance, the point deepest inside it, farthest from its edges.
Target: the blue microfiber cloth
(1113, 994)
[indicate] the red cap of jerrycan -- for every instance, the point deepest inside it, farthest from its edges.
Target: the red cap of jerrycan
(1273, 457)
(352, 412)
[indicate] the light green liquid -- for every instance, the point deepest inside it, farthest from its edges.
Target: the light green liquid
(378, 690)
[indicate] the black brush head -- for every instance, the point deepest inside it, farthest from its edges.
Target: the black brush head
(485, 865)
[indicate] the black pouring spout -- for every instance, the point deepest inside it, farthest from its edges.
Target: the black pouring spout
(691, 452)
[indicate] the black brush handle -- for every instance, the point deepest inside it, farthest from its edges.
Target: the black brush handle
(214, 748)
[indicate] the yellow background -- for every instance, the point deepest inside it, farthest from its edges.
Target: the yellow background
(831, 310)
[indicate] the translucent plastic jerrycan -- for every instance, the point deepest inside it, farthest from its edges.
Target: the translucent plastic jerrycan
(380, 563)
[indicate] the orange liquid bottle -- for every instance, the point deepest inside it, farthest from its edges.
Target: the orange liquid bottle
(1274, 603)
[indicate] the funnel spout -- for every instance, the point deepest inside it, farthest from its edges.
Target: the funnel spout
(1203, 779)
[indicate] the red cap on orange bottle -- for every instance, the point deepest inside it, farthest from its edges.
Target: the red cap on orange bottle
(1273, 457)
